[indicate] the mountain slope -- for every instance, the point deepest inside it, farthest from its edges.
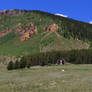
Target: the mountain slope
(53, 33)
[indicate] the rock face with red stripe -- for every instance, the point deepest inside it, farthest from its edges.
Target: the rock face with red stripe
(25, 31)
(5, 32)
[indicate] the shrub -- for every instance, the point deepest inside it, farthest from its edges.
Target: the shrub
(73, 56)
(42, 63)
(23, 63)
(17, 65)
(10, 66)
(48, 58)
(28, 65)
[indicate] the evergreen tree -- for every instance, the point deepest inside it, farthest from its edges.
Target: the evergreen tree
(10, 66)
(28, 65)
(23, 63)
(17, 65)
(42, 63)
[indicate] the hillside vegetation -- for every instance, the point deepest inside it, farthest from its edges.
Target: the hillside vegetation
(15, 25)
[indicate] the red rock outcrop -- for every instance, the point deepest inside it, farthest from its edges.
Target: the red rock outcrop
(25, 36)
(52, 27)
(27, 31)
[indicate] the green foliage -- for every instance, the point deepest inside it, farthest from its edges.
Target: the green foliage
(48, 58)
(7, 37)
(28, 65)
(74, 56)
(17, 65)
(10, 66)
(23, 63)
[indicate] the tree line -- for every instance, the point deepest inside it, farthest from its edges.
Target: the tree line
(18, 64)
(49, 58)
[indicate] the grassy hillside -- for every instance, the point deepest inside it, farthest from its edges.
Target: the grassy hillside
(70, 35)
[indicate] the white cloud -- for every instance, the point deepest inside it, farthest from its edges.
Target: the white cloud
(61, 15)
(90, 22)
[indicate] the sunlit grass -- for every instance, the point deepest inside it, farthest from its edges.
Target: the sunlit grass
(74, 78)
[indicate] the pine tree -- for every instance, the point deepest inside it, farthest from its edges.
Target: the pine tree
(42, 63)
(17, 65)
(23, 63)
(10, 66)
(28, 65)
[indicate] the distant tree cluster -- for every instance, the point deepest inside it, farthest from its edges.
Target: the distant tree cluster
(18, 64)
(74, 56)
(42, 59)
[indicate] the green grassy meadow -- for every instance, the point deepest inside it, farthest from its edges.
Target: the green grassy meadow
(74, 78)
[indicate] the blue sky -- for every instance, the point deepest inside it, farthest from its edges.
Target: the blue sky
(76, 9)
